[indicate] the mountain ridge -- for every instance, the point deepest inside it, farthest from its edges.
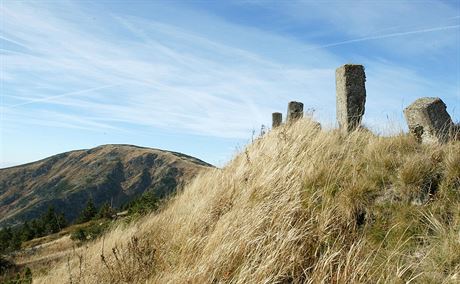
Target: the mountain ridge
(115, 173)
(103, 145)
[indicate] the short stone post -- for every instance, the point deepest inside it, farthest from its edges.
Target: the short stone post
(428, 120)
(350, 95)
(294, 112)
(277, 119)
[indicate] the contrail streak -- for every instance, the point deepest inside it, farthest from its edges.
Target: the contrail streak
(13, 41)
(62, 95)
(13, 51)
(386, 36)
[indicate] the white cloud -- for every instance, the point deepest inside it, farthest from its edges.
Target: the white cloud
(172, 79)
(69, 74)
(397, 25)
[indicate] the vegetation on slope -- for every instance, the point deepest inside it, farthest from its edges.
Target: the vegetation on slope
(48, 223)
(34, 244)
(116, 174)
(299, 205)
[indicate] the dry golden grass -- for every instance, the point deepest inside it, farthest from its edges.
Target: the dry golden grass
(299, 205)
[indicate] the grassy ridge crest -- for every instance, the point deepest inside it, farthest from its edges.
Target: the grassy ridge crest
(299, 205)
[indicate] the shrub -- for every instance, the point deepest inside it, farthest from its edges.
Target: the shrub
(146, 203)
(92, 231)
(78, 235)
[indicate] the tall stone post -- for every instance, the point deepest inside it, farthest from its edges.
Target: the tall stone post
(428, 120)
(277, 119)
(294, 112)
(350, 95)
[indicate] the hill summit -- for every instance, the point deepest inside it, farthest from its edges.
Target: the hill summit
(109, 173)
(299, 205)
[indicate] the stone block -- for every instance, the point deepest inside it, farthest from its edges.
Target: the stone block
(294, 112)
(350, 95)
(277, 119)
(429, 121)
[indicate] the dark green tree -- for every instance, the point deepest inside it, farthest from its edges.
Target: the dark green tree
(106, 211)
(10, 240)
(49, 220)
(27, 233)
(5, 265)
(144, 204)
(89, 212)
(60, 219)
(16, 240)
(78, 235)
(37, 227)
(5, 239)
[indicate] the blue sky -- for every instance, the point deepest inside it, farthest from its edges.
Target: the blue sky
(199, 76)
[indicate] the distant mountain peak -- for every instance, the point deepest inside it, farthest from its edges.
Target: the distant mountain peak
(115, 173)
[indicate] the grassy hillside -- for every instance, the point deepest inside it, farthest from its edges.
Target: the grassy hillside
(298, 205)
(111, 173)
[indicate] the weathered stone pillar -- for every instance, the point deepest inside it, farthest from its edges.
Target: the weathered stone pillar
(294, 112)
(350, 95)
(429, 121)
(277, 119)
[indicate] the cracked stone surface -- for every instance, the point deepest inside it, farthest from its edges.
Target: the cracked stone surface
(350, 95)
(429, 121)
(294, 112)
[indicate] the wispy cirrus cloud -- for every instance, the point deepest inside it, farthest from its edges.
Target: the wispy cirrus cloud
(153, 81)
(51, 98)
(193, 73)
(388, 35)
